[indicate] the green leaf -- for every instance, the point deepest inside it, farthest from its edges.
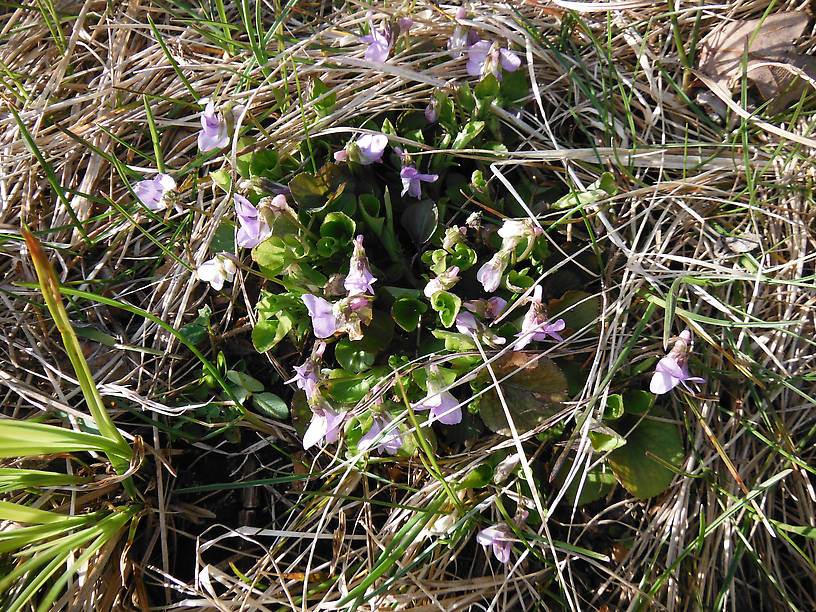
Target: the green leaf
(597, 484)
(222, 179)
(308, 191)
(533, 394)
(577, 308)
(23, 438)
(471, 130)
(245, 381)
(514, 86)
(614, 407)
(638, 472)
(268, 333)
(271, 405)
(339, 226)
(407, 311)
(603, 187)
(447, 305)
(462, 257)
(197, 330)
(420, 221)
(465, 99)
(348, 387)
(354, 356)
(638, 401)
(224, 238)
(265, 163)
(485, 92)
(454, 341)
(326, 105)
(604, 439)
(273, 255)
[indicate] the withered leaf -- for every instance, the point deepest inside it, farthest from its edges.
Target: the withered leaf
(765, 50)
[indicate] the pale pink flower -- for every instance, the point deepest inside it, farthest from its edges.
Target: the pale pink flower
(443, 406)
(501, 537)
(490, 274)
(443, 282)
(325, 426)
(536, 325)
(358, 280)
(390, 441)
(672, 370)
(217, 270)
(379, 43)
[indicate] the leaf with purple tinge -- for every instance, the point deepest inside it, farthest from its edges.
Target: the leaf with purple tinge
(533, 394)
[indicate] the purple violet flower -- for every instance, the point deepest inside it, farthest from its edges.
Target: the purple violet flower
(490, 274)
(405, 24)
(672, 369)
(535, 325)
(391, 440)
(411, 178)
(443, 406)
(487, 309)
(325, 426)
(468, 324)
(431, 112)
(358, 280)
(501, 537)
(152, 192)
(213, 134)
(254, 228)
(305, 377)
(484, 57)
(367, 149)
(217, 270)
(379, 43)
(443, 282)
(462, 37)
(324, 321)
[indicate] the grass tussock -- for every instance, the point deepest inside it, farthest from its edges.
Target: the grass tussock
(711, 226)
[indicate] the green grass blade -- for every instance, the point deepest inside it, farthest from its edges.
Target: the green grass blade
(172, 61)
(19, 513)
(50, 175)
(49, 285)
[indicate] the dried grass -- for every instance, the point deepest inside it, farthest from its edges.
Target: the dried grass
(665, 224)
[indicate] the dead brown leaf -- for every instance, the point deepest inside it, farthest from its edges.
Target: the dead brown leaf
(765, 51)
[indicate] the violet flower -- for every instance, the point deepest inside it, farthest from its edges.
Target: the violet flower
(217, 270)
(672, 369)
(305, 377)
(515, 230)
(490, 274)
(213, 134)
(411, 179)
(390, 441)
(468, 324)
(535, 325)
(379, 43)
(153, 192)
(358, 280)
(484, 57)
(367, 149)
(321, 311)
(443, 406)
(487, 309)
(501, 537)
(405, 24)
(431, 112)
(254, 228)
(325, 426)
(443, 282)
(462, 37)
